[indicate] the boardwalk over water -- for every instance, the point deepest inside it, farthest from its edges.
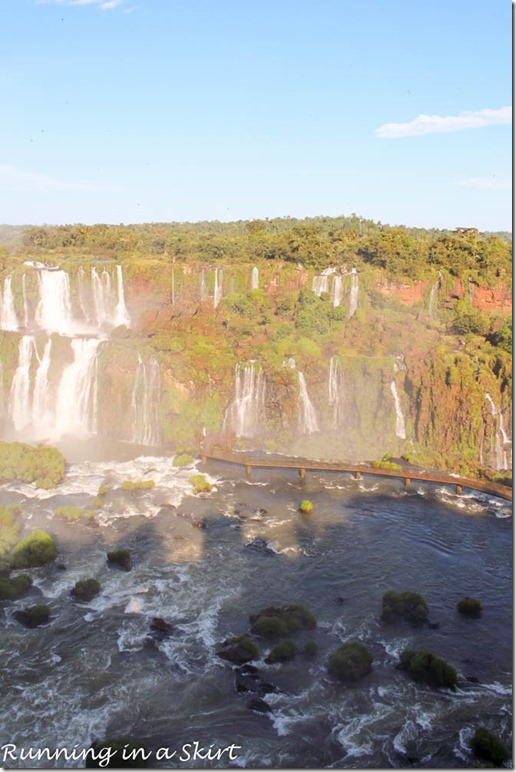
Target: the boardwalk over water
(252, 461)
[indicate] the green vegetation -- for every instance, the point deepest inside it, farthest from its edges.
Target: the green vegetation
(182, 459)
(489, 748)
(14, 587)
(35, 550)
(10, 528)
(425, 666)
(469, 607)
(310, 648)
(69, 513)
(306, 506)
(279, 621)
(103, 489)
(281, 652)
(404, 605)
(120, 558)
(350, 662)
(85, 589)
(137, 485)
(249, 646)
(200, 483)
(34, 616)
(390, 465)
(18, 461)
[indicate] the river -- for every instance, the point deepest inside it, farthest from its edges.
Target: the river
(93, 673)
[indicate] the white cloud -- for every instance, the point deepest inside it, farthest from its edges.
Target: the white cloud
(104, 5)
(485, 183)
(429, 124)
(15, 179)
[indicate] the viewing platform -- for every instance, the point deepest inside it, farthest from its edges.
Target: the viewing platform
(218, 448)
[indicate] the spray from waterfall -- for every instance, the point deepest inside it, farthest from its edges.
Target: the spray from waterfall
(145, 402)
(336, 392)
(76, 408)
(400, 420)
(244, 414)
(8, 317)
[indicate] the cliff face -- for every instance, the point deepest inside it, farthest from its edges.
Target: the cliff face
(340, 364)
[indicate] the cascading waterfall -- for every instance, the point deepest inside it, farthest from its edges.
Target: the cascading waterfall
(336, 290)
(204, 287)
(254, 278)
(76, 408)
(336, 392)
(20, 402)
(353, 295)
(54, 310)
(145, 402)
(308, 423)
(400, 420)
(320, 284)
(501, 437)
(244, 413)
(432, 302)
(8, 317)
(217, 292)
(42, 417)
(121, 312)
(25, 303)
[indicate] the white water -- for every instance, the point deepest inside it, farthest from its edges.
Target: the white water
(42, 417)
(336, 290)
(353, 295)
(254, 278)
(25, 304)
(20, 403)
(54, 311)
(320, 284)
(432, 303)
(8, 318)
(400, 420)
(76, 410)
(500, 455)
(336, 392)
(308, 423)
(145, 403)
(103, 299)
(217, 292)
(244, 413)
(204, 288)
(121, 312)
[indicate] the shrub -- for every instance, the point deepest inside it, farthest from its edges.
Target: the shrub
(103, 489)
(282, 652)
(97, 502)
(15, 587)
(350, 662)
(489, 747)
(35, 550)
(425, 666)
(27, 463)
(310, 648)
(247, 644)
(85, 589)
(404, 605)
(34, 616)
(387, 456)
(280, 620)
(306, 506)
(409, 458)
(391, 466)
(469, 607)
(183, 459)
(137, 485)
(121, 558)
(69, 513)
(269, 627)
(200, 483)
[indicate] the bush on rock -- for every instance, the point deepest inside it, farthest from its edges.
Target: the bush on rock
(469, 607)
(404, 605)
(425, 666)
(15, 587)
(489, 747)
(306, 506)
(120, 559)
(350, 662)
(200, 483)
(34, 616)
(35, 550)
(85, 589)
(282, 652)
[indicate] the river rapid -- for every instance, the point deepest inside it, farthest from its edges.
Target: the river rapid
(93, 672)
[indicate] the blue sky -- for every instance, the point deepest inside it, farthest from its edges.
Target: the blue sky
(171, 110)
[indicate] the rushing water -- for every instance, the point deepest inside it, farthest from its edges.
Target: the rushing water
(92, 672)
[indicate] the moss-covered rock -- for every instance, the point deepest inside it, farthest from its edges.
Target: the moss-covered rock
(489, 748)
(282, 652)
(239, 650)
(36, 549)
(469, 607)
(279, 621)
(14, 587)
(34, 616)
(182, 459)
(119, 559)
(306, 506)
(200, 483)
(425, 666)
(404, 605)
(137, 485)
(85, 589)
(119, 753)
(68, 513)
(27, 463)
(350, 662)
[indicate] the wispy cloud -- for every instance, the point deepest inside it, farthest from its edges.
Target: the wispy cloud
(485, 183)
(15, 179)
(104, 5)
(430, 124)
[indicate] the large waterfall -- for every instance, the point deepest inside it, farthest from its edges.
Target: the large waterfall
(308, 423)
(244, 413)
(145, 403)
(336, 392)
(55, 388)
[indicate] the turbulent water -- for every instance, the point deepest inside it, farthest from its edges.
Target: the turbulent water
(92, 672)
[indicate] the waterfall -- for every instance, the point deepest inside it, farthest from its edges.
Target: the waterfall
(353, 295)
(244, 413)
(54, 311)
(121, 312)
(336, 392)
(20, 404)
(400, 421)
(217, 292)
(83, 294)
(500, 437)
(42, 401)
(25, 304)
(76, 404)
(204, 288)
(336, 291)
(254, 278)
(320, 284)
(432, 302)
(307, 418)
(8, 318)
(103, 299)
(145, 401)
(173, 289)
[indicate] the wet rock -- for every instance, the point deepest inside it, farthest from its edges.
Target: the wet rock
(61, 567)
(85, 590)
(34, 616)
(239, 650)
(260, 546)
(160, 629)
(472, 679)
(434, 625)
(120, 559)
(258, 705)
(248, 679)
